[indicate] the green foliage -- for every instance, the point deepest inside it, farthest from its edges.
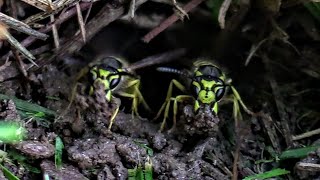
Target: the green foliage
(147, 148)
(24, 161)
(139, 172)
(215, 5)
(268, 174)
(11, 132)
(314, 8)
(26, 109)
(9, 175)
(298, 153)
(58, 152)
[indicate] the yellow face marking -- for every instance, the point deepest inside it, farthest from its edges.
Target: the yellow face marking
(215, 108)
(198, 73)
(105, 77)
(206, 94)
(196, 106)
(108, 95)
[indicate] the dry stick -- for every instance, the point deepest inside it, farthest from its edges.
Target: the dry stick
(271, 130)
(102, 19)
(88, 13)
(22, 27)
(20, 63)
(64, 17)
(5, 65)
(306, 134)
(81, 23)
(43, 5)
(235, 162)
(19, 47)
(237, 118)
(55, 33)
(222, 13)
(169, 21)
(284, 119)
(41, 49)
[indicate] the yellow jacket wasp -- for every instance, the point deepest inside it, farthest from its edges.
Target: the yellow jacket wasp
(119, 78)
(207, 86)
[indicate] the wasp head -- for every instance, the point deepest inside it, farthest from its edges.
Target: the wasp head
(207, 87)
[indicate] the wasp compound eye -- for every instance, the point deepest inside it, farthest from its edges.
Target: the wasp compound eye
(196, 86)
(114, 81)
(219, 90)
(112, 76)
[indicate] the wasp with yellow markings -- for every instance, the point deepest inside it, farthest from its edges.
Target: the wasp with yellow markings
(118, 78)
(207, 86)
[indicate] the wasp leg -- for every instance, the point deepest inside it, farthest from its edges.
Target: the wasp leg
(82, 72)
(166, 105)
(238, 98)
(136, 96)
(113, 117)
(134, 106)
(179, 98)
(136, 86)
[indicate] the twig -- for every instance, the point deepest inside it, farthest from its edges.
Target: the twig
(62, 18)
(169, 21)
(43, 5)
(40, 50)
(5, 65)
(271, 130)
(22, 27)
(88, 13)
(284, 119)
(55, 33)
(81, 23)
(102, 19)
(237, 118)
(4, 34)
(158, 58)
(222, 13)
(20, 63)
(144, 21)
(306, 134)
(253, 50)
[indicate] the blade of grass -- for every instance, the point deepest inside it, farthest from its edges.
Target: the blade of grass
(28, 107)
(58, 152)
(148, 170)
(298, 153)
(268, 174)
(132, 173)
(8, 173)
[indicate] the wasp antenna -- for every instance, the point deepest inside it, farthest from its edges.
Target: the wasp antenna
(173, 71)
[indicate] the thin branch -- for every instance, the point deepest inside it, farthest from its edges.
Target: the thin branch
(55, 33)
(169, 21)
(22, 27)
(102, 19)
(81, 23)
(306, 134)
(62, 18)
(222, 13)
